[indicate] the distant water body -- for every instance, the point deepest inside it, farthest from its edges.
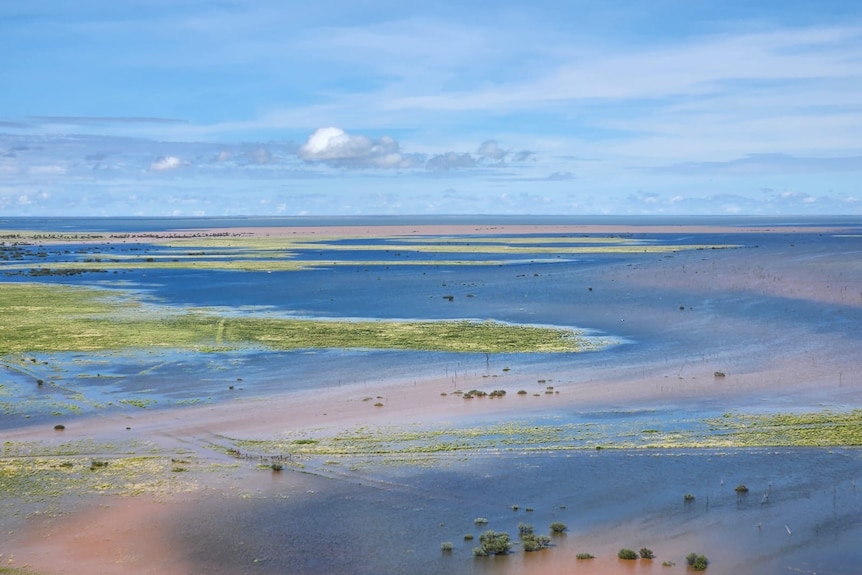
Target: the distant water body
(161, 224)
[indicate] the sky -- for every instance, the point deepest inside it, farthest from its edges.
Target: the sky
(384, 107)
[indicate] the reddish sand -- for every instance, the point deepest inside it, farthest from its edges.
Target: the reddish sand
(123, 535)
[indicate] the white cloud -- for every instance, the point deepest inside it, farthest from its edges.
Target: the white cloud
(166, 163)
(450, 161)
(336, 147)
(491, 150)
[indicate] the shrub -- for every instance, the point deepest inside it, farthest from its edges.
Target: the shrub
(741, 488)
(468, 537)
(59, 427)
(646, 553)
(480, 521)
(446, 546)
(493, 543)
(697, 562)
(525, 529)
(533, 542)
(558, 527)
(627, 554)
(585, 556)
(276, 467)
(688, 497)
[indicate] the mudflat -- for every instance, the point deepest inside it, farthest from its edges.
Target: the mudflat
(729, 357)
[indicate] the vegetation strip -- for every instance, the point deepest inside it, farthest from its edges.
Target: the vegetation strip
(818, 429)
(44, 318)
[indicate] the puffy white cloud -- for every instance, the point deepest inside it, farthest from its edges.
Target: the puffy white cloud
(166, 163)
(336, 147)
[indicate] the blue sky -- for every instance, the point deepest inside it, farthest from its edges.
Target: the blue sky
(272, 107)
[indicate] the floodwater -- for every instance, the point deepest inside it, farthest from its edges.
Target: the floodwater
(778, 300)
(803, 513)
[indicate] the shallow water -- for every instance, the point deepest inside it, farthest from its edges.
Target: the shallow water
(783, 300)
(394, 520)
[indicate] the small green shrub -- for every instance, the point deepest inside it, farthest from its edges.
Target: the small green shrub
(646, 553)
(525, 529)
(627, 554)
(468, 537)
(558, 527)
(741, 488)
(533, 542)
(585, 556)
(276, 467)
(446, 546)
(697, 562)
(59, 427)
(688, 497)
(493, 543)
(480, 521)
(667, 563)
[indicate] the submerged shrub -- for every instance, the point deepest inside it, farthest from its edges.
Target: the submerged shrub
(697, 562)
(493, 543)
(741, 488)
(446, 546)
(646, 553)
(688, 497)
(533, 542)
(558, 527)
(585, 556)
(627, 554)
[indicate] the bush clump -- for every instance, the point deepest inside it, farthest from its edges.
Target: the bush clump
(533, 542)
(697, 562)
(558, 527)
(646, 553)
(493, 543)
(627, 554)
(585, 556)
(741, 488)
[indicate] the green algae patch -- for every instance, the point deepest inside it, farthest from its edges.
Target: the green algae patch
(45, 318)
(34, 472)
(811, 429)
(396, 445)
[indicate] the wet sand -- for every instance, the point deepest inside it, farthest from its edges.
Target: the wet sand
(160, 535)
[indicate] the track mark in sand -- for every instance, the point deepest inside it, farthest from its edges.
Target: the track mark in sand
(220, 332)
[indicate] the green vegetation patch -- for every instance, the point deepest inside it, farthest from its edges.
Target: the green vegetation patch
(46, 318)
(417, 446)
(812, 429)
(35, 472)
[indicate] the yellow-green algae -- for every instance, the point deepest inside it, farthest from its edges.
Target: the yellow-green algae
(35, 472)
(49, 318)
(819, 429)
(280, 253)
